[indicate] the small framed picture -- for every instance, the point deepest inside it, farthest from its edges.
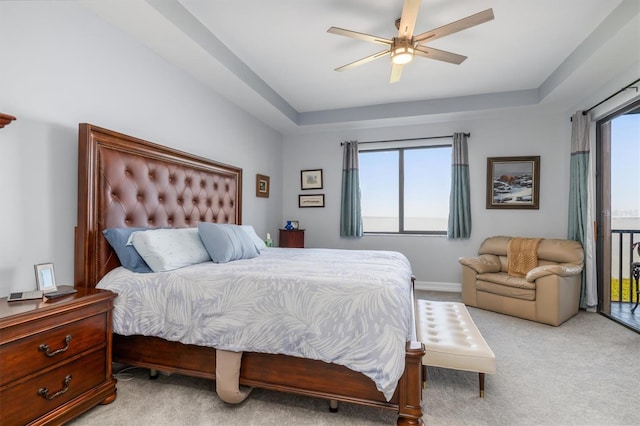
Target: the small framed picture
(45, 277)
(296, 225)
(311, 179)
(262, 186)
(315, 200)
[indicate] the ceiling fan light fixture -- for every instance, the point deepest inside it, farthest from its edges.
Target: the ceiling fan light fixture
(402, 52)
(406, 45)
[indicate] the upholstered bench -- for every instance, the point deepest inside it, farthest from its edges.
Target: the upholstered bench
(452, 340)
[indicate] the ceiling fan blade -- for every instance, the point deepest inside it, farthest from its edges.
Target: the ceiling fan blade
(454, 27)
(396, 72)
(408, 18)
(359, 36)
(439, 55)
(363, 60)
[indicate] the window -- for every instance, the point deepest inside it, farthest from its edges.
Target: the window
(405, 190)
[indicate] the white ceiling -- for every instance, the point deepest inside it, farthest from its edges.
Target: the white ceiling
(276, 60)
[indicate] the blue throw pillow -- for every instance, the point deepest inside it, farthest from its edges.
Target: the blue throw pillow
(127, 254)
(226, 242)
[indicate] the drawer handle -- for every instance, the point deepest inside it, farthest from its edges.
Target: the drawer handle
(44, 392)
(45, 348)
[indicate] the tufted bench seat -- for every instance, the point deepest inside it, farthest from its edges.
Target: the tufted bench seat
(452, 340)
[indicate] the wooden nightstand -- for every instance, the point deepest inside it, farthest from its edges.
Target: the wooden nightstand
(55, 357)
(292, 239)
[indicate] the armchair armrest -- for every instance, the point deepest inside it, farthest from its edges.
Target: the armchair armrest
(562, 269)
(483, 264)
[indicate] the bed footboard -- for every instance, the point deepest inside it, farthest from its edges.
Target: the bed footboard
(283, 373)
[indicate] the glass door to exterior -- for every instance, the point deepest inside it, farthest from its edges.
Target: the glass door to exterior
(618, 196)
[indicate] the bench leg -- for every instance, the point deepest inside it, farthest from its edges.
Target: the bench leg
(481, 380)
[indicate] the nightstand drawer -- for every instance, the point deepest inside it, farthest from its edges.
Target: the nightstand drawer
(26, 401)
(33, 353)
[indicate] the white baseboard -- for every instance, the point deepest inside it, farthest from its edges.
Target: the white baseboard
(436, 286)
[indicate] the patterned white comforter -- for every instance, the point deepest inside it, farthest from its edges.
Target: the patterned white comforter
(348, 307)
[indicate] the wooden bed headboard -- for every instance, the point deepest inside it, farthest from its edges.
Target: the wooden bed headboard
(128, 182)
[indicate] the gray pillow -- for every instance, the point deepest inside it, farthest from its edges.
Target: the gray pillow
(127, 254)
(226, 242)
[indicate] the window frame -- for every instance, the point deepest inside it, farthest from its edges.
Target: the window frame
(401, 198)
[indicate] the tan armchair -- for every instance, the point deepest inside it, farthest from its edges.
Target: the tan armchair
(548, 293)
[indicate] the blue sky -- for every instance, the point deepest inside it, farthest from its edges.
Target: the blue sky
(427, 182)
(625, 163)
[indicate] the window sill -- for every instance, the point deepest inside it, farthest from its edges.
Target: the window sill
(405, 234)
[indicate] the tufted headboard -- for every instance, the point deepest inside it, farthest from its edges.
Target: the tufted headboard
(129, 182)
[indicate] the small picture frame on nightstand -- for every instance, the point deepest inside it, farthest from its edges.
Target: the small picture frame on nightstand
(45, 277)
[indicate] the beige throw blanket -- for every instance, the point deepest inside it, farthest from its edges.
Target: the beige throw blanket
(522, 255)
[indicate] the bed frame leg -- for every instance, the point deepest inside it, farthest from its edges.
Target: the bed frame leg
(153, 374)
(481, 381)
(333, 405)
(410, 387)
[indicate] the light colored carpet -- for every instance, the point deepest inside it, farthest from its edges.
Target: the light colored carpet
(585, 372)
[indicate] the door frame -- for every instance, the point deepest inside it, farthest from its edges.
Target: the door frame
(603, 204)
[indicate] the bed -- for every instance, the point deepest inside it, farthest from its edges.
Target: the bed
(127, 182)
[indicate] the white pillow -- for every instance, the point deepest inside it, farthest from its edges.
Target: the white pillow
(260, 245)
(168, 249)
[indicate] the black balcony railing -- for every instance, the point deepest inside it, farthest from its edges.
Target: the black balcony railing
(622, 257)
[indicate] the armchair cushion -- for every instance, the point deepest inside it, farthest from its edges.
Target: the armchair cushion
(508, 280)
(506, 292)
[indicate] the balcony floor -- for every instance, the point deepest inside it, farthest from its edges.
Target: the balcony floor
(621, 312)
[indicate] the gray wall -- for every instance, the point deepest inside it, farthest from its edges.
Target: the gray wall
(61, 66)
(517, 132)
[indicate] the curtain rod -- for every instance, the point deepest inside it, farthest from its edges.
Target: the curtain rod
(628, 86)
(411, 139)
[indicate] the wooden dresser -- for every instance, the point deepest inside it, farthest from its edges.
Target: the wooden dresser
(291, 239)
(55, 357)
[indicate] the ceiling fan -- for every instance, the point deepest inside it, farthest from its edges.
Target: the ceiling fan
(405, 46)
